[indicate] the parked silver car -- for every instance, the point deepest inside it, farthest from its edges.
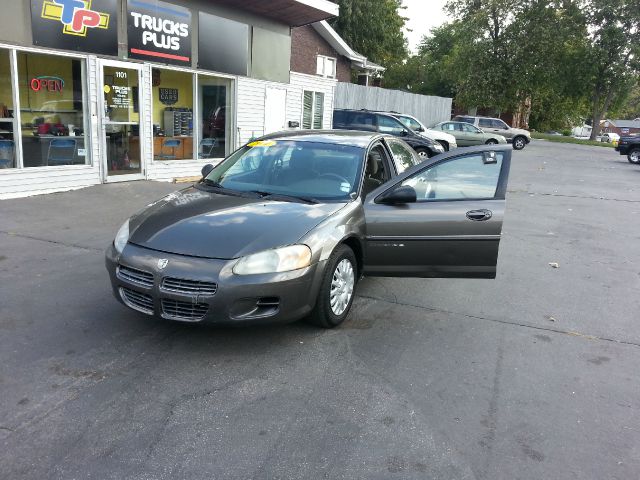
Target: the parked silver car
(518, 137)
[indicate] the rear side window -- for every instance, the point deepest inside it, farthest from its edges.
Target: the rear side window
(339, 118)
(389, 125)
(350, 120)
(465, 119)
(403, 155)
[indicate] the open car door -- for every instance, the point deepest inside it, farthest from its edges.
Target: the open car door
(441, 218)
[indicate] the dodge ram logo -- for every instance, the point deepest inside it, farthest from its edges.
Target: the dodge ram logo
(162, 263)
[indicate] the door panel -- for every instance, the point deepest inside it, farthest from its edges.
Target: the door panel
(443, 234)
(474, 137)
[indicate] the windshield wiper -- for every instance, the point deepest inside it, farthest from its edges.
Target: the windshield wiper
(211, 183)
(286, 197)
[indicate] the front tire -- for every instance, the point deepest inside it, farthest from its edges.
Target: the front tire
(519, 143)
(634, 156)
(337, 289)
(423, 153)
(491, 141)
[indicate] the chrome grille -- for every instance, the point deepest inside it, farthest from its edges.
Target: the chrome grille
(136, 300)
(134, 275)
(189, 287)
(184, 310)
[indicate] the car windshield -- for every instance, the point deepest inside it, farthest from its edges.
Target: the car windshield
(292, 168)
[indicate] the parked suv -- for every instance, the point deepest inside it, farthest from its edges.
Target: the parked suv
(517, 136)
(368, 121)
(630, 146)
(447, 141)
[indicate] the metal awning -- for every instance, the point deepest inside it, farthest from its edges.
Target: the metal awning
(294, 13)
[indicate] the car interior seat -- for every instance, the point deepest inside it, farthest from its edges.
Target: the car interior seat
(371, 182)
(298, 169)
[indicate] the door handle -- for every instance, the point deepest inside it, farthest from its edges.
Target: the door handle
(479, 215)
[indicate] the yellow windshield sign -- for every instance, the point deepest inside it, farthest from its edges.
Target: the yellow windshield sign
(262, 143)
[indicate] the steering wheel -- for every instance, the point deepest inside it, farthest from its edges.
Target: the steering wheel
(335, 176)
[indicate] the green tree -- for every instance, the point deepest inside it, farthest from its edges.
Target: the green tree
(614, 27)
(373, 28)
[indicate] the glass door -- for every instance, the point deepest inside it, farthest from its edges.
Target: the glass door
(121, 121)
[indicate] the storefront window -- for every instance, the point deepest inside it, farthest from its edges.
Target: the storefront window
(214, 95)
(172, 115)
(52, 110)
(7, 139)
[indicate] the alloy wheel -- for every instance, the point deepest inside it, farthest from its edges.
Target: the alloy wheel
(634, 156)
(342, 285)
(519, 144)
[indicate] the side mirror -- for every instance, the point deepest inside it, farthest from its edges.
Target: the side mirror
(404, 132)
(400, 195)
(420, 129)
(206, 170)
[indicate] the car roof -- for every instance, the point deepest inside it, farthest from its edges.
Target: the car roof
(356, 138)
(479, 116)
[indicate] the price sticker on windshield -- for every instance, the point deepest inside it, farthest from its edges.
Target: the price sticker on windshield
(262, 143)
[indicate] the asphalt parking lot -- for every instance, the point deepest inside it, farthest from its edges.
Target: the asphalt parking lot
(533, 375)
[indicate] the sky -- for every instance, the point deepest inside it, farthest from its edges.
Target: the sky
(423, 16)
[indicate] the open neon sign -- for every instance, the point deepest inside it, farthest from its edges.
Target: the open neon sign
(49, 84)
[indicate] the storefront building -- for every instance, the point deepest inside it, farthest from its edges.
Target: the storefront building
(95, 91)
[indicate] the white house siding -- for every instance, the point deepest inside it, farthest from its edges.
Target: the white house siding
(251, 97)
(251, 101)
(301, 82)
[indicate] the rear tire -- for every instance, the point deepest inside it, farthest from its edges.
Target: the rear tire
(491, 141)
(519, 143)
(337, 289)
(634, 156)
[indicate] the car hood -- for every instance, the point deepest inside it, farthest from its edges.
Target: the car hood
(212, 225)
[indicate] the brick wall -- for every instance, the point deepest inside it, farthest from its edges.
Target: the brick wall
(306, 44)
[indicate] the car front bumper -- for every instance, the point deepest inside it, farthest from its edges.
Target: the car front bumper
(623, 149)
(200, 290)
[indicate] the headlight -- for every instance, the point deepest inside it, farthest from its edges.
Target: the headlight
(122, 237)
(274, 261)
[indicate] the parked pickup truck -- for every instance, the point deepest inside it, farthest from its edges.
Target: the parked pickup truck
(630, 146)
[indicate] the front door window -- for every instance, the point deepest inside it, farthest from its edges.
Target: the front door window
(465, 178)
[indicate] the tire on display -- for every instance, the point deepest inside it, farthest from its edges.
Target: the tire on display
(519, 143)
(336, 290)
(634, 156)
(492, 141)
(444, 144)
(423, 153)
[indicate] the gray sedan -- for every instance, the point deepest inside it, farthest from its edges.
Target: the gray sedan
(285, 227)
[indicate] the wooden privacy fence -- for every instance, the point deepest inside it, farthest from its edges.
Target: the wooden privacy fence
(429, 110)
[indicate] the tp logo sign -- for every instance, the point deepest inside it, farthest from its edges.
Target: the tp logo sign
(76, 16)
